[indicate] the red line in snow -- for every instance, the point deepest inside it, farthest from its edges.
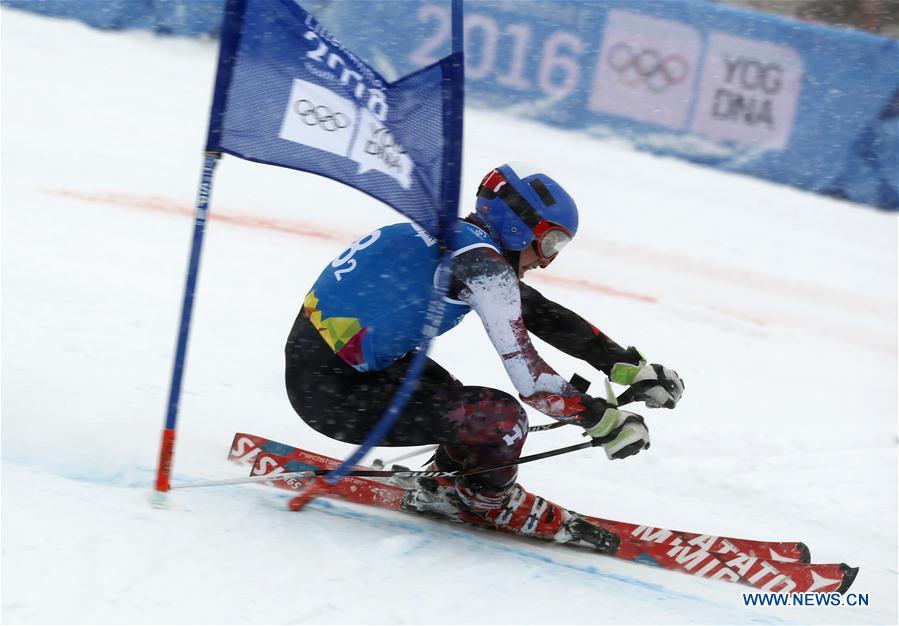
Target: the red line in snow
(591, 286)
(160, 204)
(165, 205)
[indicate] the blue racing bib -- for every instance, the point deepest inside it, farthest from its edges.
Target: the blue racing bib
(369, 304)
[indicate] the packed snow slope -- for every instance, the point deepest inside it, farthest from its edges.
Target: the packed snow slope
(778, 307)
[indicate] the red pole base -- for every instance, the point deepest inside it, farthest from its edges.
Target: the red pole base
(312, 491)
(165, 459)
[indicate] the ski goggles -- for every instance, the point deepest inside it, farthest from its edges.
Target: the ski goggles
(549, 238)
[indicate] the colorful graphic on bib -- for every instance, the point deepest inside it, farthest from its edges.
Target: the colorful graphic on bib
(343, 334)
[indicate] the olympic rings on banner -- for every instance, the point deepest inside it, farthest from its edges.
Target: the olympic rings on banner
(647, 67)
(320, 115)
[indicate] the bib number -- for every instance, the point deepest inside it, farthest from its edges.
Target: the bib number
(345, 263)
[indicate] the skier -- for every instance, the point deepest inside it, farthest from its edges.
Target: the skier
(351, 344)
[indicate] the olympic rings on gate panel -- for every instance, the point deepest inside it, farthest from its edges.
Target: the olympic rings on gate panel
(647, 66)
(320, 115)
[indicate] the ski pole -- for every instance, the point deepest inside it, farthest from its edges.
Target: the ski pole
(378, 463)
(371, 473)
(624, 398)
(579, 383)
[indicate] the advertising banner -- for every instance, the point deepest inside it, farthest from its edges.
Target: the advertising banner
(749, 92)
(743, 91)
(797, 103)
(646, 70)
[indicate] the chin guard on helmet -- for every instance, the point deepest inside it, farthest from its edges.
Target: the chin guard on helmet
(524, 206)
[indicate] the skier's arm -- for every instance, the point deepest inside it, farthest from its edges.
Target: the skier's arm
(572, 334)
(654, 384)
(484, 280)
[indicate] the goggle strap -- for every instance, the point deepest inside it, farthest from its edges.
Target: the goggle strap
(519, 204)
(545, 196)
(490, 184)
(494, 184)
(486, 192)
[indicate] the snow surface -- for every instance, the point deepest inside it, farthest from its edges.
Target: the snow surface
(778, 307)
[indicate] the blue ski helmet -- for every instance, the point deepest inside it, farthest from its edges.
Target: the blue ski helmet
(522, 205)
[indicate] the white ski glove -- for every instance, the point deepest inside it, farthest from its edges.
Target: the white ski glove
(620, 433)
(656, 385)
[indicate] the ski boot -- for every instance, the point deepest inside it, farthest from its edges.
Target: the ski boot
(406, 482)
(437, 496)
(521, 513)
(529, 514)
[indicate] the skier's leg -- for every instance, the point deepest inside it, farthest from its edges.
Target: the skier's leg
(478, 426)
(342, 403)
(482, 427)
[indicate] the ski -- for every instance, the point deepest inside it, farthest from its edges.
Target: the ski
(245, 447)
(768, 566)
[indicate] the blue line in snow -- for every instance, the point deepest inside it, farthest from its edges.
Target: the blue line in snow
(471, 535)
(136, 477)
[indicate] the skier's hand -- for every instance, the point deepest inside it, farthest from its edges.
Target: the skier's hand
(620, 433)
(656, 385)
